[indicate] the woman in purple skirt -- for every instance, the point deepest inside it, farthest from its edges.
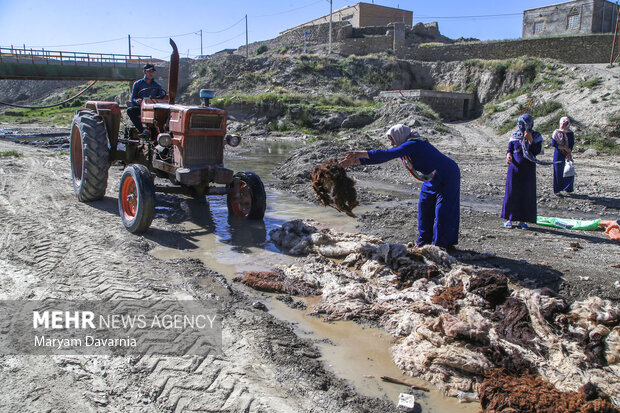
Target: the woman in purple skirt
(563, 140)
(520, 196)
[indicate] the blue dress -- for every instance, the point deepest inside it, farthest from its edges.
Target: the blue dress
(520, 195)
(439, 203)
(559, 182)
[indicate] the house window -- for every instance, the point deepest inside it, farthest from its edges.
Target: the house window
(573, 22)
(539, 27)
(347, 17)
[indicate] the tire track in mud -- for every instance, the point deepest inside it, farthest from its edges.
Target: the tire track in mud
(96, 272)
(55, 247)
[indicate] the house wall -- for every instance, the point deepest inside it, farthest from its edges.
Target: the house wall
(594, 16)
(363, 15)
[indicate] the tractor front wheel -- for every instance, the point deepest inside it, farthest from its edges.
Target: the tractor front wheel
(136, 198)
(89, 156)
(251, 200)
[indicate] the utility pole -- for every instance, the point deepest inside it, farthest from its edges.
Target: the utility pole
(613, 46)
(129, 40)
(247, 52)
(330, 27)
(201, 42)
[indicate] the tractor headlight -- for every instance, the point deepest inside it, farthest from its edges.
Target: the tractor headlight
(164, 139)
(233, 140)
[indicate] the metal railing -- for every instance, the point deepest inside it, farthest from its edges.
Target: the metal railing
(11, 54)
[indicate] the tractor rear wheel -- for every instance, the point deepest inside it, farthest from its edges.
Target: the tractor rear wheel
(252, 199)
(89, 156)
(136, 198)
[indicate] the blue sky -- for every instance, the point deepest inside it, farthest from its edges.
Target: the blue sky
(103, 27)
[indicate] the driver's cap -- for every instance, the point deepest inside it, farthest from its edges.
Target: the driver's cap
(148, 66)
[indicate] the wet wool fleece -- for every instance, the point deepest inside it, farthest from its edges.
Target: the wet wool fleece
(277, 283)
(529, 393)
(512, 323)
(333, 187)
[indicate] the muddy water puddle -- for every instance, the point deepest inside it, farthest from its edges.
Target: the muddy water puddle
(361, 355)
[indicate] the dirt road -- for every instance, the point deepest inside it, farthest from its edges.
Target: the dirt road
(52, 246)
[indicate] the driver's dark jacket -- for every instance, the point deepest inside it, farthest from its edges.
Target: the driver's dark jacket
(141, 89)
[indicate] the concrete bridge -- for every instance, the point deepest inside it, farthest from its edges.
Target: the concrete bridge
(29, 64)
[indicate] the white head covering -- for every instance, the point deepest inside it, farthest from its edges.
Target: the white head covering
(400, 133)
(559, 135)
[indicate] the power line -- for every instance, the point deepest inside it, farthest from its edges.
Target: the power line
(469, 17)
(288, 11)
(228, 28)
(189, 33)
(232, 38)
(146, 45)
(164, 37)
(84, 44)
(52, 105)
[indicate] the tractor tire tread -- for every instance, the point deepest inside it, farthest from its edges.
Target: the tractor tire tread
(95, 153)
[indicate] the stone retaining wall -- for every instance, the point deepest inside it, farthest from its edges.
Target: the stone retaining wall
(590, 48)
(593, 48)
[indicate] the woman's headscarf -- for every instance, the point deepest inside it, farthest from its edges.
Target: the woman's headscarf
(559, 135)
(400, 133)
(525, 123)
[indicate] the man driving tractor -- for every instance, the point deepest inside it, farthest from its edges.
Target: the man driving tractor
(146, 87)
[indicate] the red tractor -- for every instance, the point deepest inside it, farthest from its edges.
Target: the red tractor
(185, 146)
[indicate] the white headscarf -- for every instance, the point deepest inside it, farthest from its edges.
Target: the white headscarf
(559, 135)
(400, 133)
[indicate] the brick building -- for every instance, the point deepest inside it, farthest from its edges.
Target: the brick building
(572, 17)
(364, 15)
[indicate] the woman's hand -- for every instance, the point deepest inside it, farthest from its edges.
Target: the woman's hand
(353, 158)
(528, 136)
(508, 158)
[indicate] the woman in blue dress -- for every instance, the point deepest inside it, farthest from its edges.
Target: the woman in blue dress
(439, 201)
(520, 195)
(563, 140)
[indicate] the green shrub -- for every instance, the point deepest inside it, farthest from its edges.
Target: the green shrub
(427, 111)
(590, 83)
(547, 127)
(507, 126)
(7, 154)
(261, 49)
(440, 127)
(601, 143)
(430, 44)
(540, 109)
(492, 108)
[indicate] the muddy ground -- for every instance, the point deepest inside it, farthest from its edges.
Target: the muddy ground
(540, 256)
(52, 246)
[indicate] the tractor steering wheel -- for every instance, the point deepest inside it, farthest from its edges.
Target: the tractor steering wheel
(155, 92)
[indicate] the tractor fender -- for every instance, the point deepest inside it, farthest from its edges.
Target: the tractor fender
(110, 112)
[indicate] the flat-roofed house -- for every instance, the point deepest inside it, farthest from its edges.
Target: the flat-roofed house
(571, 17)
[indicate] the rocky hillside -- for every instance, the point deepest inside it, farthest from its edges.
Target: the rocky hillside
(322, 94)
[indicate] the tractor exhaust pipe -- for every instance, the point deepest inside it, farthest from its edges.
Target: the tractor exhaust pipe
(173, 73)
